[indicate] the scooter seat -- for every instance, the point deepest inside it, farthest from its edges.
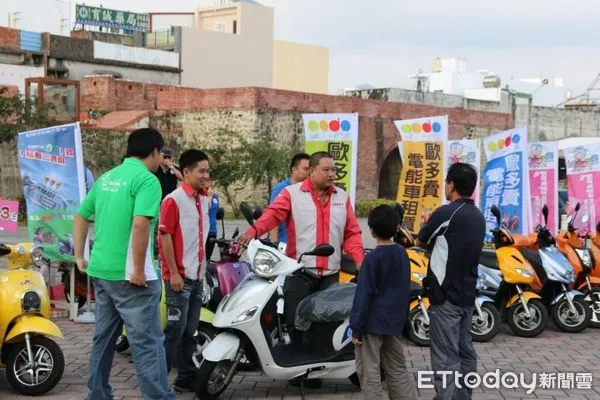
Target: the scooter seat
(333, 304)
(489, 259)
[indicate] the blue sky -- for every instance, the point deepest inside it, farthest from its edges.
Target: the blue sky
(381, 42)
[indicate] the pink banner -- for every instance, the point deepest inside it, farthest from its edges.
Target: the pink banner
(583, 178)
(543, 183)
(9, 214)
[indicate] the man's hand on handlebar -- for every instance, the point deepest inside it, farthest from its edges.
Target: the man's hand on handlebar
(243, 241)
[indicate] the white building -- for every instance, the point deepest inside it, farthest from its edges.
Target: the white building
(450, 76)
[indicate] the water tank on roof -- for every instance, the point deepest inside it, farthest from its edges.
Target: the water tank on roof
(437, 65)
(491, 81)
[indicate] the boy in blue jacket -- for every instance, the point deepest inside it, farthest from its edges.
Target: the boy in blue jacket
(379, 311)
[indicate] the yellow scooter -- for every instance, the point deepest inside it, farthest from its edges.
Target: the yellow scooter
(34, 363)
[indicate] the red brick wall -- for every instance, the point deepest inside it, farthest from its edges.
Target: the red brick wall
(108, 94)
(378, 134)
(10, 38)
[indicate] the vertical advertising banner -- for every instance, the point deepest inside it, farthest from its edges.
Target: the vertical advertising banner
(466, 151)
(336, 134)
(9, 216)
(506, 180)
(583, 180)
(543, 181)
(421, 186)
(51, 162)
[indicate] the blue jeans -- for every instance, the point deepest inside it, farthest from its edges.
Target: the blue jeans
(119, 302)
(183, 314)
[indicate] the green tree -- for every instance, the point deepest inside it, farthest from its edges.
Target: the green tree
(18, 114)
(267, 162)
(227, 160)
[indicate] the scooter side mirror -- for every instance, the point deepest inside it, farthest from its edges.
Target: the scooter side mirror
(257, 213)
(400, 210)
(236, 233)
(247, 213)
(496, 213)
(4, 250)
(322, 250)
(220, 213)
(545, 214)
(577, 207)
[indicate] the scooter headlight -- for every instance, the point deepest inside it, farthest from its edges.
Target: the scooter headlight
(569, 276)
(31, 302)
(37, 256)
(418, 276)
(264, 263)
(585, 257)
(481, 281)
(526, 272)
(245, 316)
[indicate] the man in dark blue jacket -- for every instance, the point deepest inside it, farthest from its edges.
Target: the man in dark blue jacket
(379, 311)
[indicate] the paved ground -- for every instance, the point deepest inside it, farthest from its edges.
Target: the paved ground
(552, 353)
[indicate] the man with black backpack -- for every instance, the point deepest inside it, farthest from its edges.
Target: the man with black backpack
(455, 233)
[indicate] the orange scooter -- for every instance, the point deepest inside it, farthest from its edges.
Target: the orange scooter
(585, 261)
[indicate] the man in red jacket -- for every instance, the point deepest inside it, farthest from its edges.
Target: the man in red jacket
(315, 212)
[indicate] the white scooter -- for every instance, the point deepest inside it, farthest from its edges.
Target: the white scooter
(249, 321)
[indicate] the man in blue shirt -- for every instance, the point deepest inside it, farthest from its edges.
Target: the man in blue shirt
(299, 172)
(212, 217)
(89, 179)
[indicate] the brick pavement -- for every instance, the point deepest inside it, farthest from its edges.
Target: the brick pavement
(552, 352)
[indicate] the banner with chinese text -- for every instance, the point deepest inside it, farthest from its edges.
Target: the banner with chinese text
(51, 162)
(543, 181)
(466, 151)
(506, 180)
(9, 216)
(583, 180)
(421, 186)
(336, 134)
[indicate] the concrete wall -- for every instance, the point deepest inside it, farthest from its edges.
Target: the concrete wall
(78, 70)
(300, 67)
(104, 37)
(135, 55)
(543, 123)
(206, 18)
(218, 60)
(15, 75)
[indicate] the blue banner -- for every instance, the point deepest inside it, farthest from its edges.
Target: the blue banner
(506, 182)
(51, 162)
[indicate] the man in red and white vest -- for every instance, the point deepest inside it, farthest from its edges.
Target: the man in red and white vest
(315, 212)
(184, 226)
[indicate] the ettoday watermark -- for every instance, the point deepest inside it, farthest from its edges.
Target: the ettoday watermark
(507, 380)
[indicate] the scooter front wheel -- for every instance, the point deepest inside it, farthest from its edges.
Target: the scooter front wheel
(525, 326)
(568, 321)
(418, 327)
(592, 297)
(40, 377)
(121, 344)
(212, 379)
(486, 326)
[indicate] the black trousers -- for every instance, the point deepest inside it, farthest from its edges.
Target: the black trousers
(297, 287)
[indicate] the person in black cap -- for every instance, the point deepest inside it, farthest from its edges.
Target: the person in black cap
(168, 174)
